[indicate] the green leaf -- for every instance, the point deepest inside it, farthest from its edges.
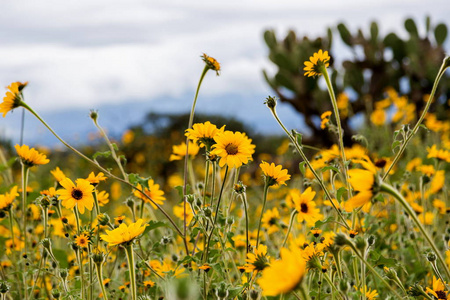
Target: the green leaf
(114, 145)
(102, 154)
(8, 164)
(302, 167)
(324, 169)
(61, 256)
(153, 225)
(340, 192)
(380, 260)
(135, 179)
(320, 223)
(440, 33)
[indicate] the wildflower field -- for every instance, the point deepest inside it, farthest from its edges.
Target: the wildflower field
(365, 219)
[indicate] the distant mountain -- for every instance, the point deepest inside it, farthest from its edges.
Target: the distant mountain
(75, 126)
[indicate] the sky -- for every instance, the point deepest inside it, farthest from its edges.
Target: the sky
(85, 54)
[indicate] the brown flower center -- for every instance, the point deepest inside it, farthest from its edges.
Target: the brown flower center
(77, 194)
(304, 208)
(231, 149)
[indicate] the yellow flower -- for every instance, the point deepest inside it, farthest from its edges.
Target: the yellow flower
(148, 283)
(128, 137)
(441, 154)
(82, 240)
(31, 157)
(270, 220)
(179, 151)
(274, 175)
(124, 234)
(102, 198)
(305, 206)
(58, 174)
(378, 117)
(152, 191)
(325, 117)
(211, 63)
(79, 195)
(284, 275)
(203, 134)
(258, 260)
(95, 179)
(316, 62)
(7, 199)
(234, 149)
(438, 290)
(342, 104)
(368, 293)
(178, 211)
(13, 97)
(362, 182)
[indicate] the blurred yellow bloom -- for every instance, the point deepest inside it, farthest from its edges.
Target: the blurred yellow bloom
(124, 234)
(13, 97)
(378, 117)
(7, 199)
(325, 117)
(30, 156)
(283, 275)
(179, 151)
(362, 182)
(152, 191)
(58, 174)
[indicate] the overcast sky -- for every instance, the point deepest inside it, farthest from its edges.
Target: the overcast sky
(86, 53)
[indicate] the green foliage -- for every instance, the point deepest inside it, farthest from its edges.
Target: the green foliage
(378, 61)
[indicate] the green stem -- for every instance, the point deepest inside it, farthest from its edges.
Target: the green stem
(305, 159)
(186, 158)
(111, 148)
(439, 75)
(291, 222)
(247, 240)
(266, 190)
(213, 226)
(374, 272)
(99, 269)
(25, 172)
(393, 192)
(131, 268)
(339, 127)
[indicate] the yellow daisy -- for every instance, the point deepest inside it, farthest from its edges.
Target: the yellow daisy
(102, 198)
(211, 63)
(13, 97)
(79, 195)
(82, 240)
(284, 275)
(153, 192)
(31, 157)
(316, 62)
(234, 149)
(203, 134)
(58, 174)
(179, 151)
(258, 260)
(95, 179)
(305, 206)
(274, 175)
(325, 117)
(124, 234)
(7, 199)
(362, 182)
(370, 294)
(271, 220)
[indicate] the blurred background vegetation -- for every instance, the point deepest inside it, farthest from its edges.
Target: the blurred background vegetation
(405, 62)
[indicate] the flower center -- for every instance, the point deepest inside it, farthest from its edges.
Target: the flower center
(304, 208)
(77, 194)
(441, 294)
(231, 149)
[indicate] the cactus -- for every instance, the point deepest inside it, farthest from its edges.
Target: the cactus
(385, 61)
